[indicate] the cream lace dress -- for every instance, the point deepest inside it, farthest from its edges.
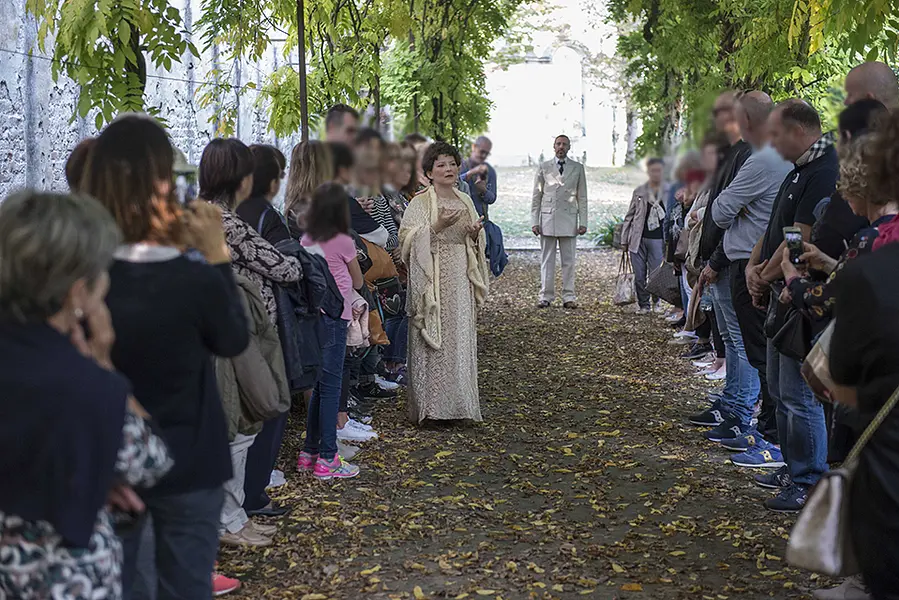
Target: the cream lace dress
(444, 381)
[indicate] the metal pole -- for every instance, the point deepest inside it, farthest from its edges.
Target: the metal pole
(301, 51)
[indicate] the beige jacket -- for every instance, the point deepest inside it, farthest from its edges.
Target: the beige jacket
(258, 371)
(559, 203)
(635, 219)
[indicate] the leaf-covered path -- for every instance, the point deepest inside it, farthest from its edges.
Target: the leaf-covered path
(583, 480)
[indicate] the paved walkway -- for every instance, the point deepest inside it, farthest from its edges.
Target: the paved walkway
(581, 482)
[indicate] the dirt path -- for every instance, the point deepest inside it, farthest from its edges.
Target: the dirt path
(583, 480)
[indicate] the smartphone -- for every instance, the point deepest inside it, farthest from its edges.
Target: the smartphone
(185, 189)
(793, 237)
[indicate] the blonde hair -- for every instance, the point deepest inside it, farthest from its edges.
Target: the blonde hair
(854, 172)
(310, 167)
(47, 243)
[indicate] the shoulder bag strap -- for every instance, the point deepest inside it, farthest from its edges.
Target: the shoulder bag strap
(866, 436)
(262, 219)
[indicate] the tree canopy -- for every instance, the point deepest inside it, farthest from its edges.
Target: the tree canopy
(426, 58)
(679, 54)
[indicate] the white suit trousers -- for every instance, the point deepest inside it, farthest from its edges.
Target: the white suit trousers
(234, 517)
(568, 250)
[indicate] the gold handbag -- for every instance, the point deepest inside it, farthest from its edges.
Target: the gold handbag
(821, 540)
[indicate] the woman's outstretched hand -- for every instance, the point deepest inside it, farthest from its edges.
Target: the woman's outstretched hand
(446, 218)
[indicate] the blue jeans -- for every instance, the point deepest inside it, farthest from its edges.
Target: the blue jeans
(397, 329)
(321, 421)
(178, 541)
(800, 419)
(742, 388)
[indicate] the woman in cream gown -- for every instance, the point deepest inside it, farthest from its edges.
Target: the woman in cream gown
(443, 244)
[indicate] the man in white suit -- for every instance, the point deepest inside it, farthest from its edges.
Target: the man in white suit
(558, 216)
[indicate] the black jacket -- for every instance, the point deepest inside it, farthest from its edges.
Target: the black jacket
(711, 248)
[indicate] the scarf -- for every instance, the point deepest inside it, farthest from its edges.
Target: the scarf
(656, 212)
(817, 149)
(422, 258)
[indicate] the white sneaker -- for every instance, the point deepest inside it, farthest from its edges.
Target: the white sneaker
(276, 479)
(719, 375)
(346, 451)
(704, 362)
(351, 434)
(387, 386)
(357, 425)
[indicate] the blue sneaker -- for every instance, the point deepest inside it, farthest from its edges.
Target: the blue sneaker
(763, 455)
(728, 430)
(789, 500)
(750, 438)
(711, 417)
(774, 481)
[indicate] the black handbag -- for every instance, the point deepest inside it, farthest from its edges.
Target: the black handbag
(794, 339)
(391, 295)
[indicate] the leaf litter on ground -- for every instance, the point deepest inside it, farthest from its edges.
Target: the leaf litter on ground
(582, 481)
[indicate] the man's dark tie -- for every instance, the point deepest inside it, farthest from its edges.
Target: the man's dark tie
(561, 167)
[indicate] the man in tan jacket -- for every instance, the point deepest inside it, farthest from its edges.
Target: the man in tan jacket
(558, 216)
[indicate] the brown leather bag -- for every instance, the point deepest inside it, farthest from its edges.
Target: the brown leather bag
(382, 265)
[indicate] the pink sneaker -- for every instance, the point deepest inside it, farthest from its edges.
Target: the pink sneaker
(222, 585)
(306, 462)
(335, 468)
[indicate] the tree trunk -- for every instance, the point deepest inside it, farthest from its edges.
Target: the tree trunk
(301, 65)
(376, 90)
(415, 111)
(630, 156)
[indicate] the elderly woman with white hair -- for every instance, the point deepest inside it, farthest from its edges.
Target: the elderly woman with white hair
(72, 438)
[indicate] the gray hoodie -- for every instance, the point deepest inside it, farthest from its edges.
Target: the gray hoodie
(744, 207)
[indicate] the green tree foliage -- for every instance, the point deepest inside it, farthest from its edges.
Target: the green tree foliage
(104, 46)
(679, 54)
(425, 57)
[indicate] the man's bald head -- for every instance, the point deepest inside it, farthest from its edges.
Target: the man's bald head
(872, 80)
(753, 110)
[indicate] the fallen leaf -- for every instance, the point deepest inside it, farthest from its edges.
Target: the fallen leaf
(632, 587)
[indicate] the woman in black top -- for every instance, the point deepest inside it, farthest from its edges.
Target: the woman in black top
(864, 359)
(257, 210)
(171, 315)
(73, 439)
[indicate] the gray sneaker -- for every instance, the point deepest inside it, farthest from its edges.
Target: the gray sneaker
(852, 588)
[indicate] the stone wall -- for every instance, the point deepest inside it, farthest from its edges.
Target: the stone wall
(36, 127)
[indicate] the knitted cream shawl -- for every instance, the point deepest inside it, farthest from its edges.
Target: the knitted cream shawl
(422, 257)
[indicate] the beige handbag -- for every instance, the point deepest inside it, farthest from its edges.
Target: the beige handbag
(816, 367)
(821, 540)
(625, 292)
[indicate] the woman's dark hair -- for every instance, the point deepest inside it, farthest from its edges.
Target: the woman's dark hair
(129, 162)
(329, 212)
(77, 162)
(224, 165)
(436, 150)
(268, 166)
(410, 156)
(342, 157)
(857, 118)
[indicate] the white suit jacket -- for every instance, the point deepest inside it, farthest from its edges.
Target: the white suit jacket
(559, 204)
